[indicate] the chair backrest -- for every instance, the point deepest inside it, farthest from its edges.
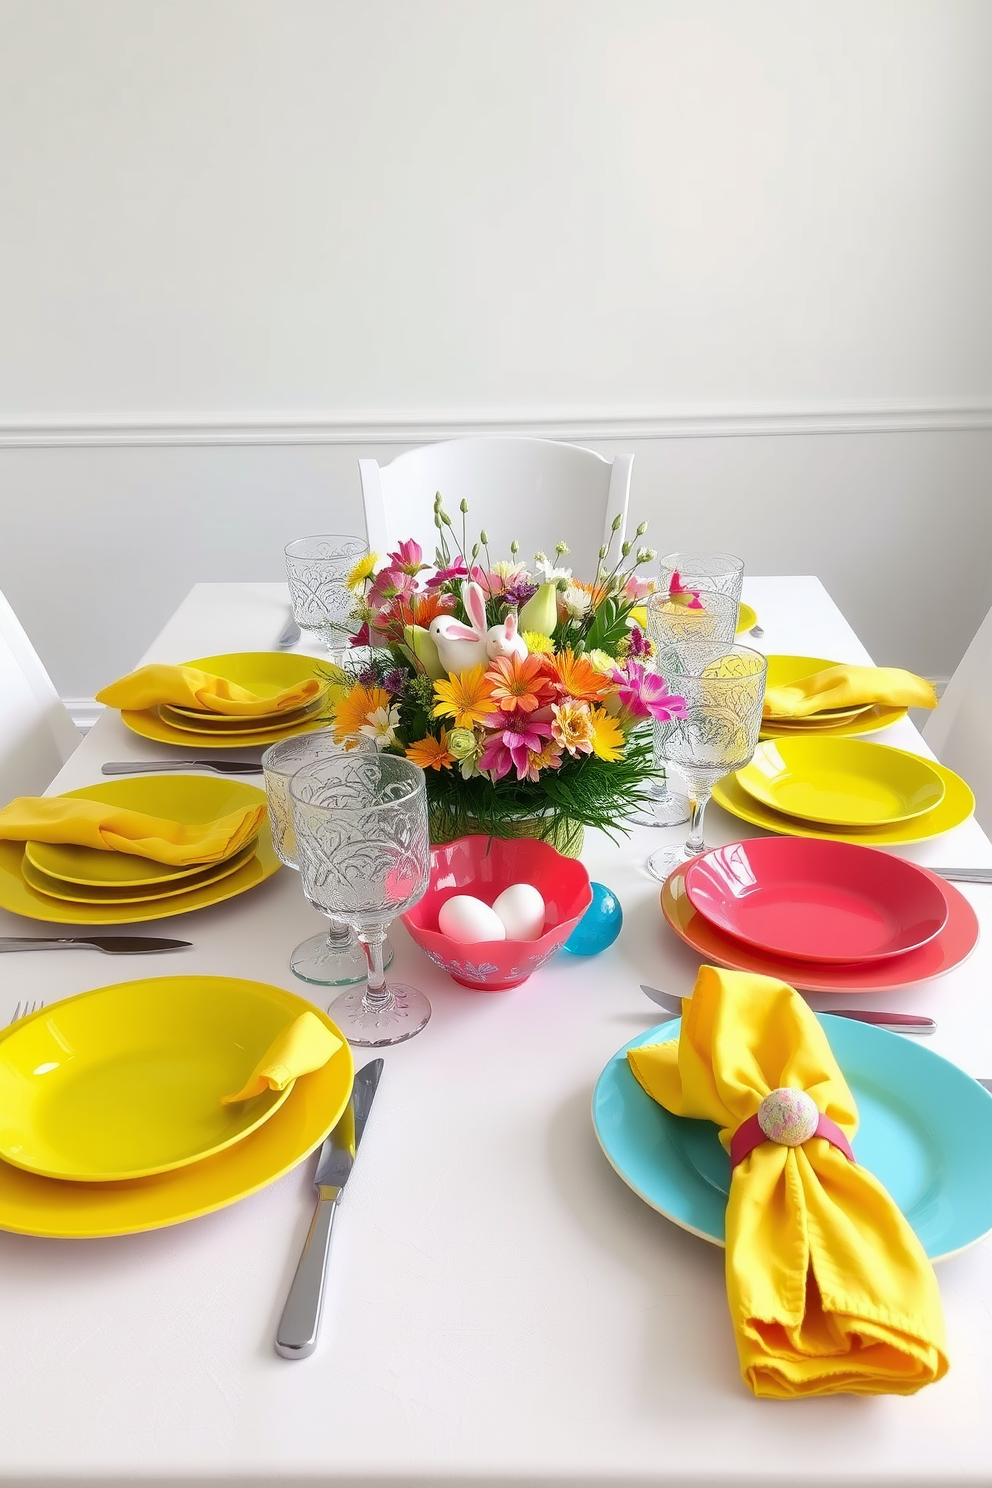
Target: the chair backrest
(535, 490)
(960, 730)
(37, 735)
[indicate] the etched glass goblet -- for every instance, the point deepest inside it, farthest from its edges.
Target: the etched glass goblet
(724, 687)
(317, 568)
(709, 615)
(694, 569)
(364, 852)
(334, 958)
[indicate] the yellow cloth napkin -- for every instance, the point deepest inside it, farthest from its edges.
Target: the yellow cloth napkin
(849, 687)
(85, 823)
(307, 1044)
(829, 1288)
(188, 687)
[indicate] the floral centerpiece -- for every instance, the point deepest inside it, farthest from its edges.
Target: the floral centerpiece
(525, 694)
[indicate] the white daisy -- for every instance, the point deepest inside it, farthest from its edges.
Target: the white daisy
(577, 601)
(381, 726)
(549, 573)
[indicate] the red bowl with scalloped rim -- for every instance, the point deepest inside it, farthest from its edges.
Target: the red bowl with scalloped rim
(485, 866)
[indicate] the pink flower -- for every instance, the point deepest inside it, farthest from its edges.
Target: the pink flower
(456, 570)
(362, 637)
(688, 598)
(408, 558)
(637, 589)
(389, 583)
(644, 694)
(515, 739)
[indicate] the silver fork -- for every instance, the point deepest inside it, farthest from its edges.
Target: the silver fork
(26, 1008)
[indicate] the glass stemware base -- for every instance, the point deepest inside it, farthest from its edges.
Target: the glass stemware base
(662, 863)
(371, 1022)
(333, 960)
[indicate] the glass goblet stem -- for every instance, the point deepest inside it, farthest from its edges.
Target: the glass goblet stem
(697, 805)
(377, 995)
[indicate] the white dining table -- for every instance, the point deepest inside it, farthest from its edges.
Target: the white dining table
(501, 1309)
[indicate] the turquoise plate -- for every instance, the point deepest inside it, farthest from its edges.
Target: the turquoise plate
(926, 1133)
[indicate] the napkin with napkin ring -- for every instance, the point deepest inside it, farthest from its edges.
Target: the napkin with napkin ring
(829, 1288)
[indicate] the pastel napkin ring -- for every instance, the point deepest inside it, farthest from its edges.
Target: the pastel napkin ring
(789, 1118)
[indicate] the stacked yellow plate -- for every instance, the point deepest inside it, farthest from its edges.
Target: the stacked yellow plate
(88, 886)
(869, 718)
(114, 1111)
(850, 790)
(266, 673)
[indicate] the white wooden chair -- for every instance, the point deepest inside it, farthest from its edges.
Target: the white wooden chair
(37, 735)
(535, 490)
(960, 730)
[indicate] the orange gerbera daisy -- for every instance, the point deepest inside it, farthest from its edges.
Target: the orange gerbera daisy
(430, 753)
(576, 677)
(607, 736)
(467, 697)
(354, 708)
(520, 685)
(412, 609)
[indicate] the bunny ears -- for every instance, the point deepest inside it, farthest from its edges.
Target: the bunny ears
(475, 607)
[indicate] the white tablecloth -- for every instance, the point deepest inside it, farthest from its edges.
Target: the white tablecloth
(501, 1309)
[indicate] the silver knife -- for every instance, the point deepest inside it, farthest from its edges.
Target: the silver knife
(111, 945)
(296, 1336)
(290, 635)
(897, 1022)
(964, 875)
(222, 767)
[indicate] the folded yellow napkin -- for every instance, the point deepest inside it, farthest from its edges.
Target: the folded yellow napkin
(829, 1288)
(85, 823)
(307, 1044)
(849, 687)
(188, 687)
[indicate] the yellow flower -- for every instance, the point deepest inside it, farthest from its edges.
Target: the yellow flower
(607, 736)
(536, 642)
(362, 571)
(467, 697)
(354, 709)
(601, 661)
(430, 753)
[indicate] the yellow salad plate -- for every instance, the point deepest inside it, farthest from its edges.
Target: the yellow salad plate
(149, 725)
(188, 799)
(165, 888)
(33, 1205)
(185, 798)
(957, 805)
(841, 782)
(127, 1081)
(785, 669)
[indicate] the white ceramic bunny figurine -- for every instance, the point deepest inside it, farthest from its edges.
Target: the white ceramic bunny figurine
(504, 640)
(461, 646)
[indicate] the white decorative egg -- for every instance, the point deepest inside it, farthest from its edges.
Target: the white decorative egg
(521, 909)
(467, 920)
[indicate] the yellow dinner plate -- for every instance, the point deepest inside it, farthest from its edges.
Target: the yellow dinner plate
(746, 618)
(956, 807)
(189, 799)
(128, 1081)
(57, 888)
(31, 1205)
(214, 723)
(841, 782)
(150, 726)
(785, 669)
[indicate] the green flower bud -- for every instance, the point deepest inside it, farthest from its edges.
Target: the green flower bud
(625, 549)
(463, 506)
(562, 550)
(484, 538)
(514, 547)
(603, 552)
(475, 551)
(617, 523)
(641, 530)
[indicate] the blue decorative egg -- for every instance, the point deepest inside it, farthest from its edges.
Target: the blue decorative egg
(599, 926)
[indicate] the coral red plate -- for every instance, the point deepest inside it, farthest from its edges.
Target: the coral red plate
(953, 945)
(816, 900)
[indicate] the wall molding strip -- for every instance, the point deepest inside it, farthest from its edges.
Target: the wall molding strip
(366, 427)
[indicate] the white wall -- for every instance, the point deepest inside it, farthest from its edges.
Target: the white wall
(334, 227)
